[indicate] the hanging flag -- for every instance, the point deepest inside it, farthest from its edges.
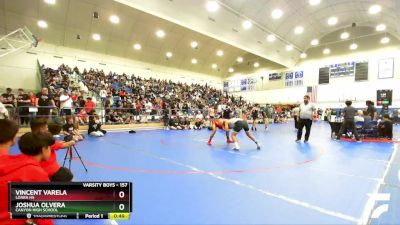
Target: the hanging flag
(312, 92)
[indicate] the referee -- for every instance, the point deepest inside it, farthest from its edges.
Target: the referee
(306, 112)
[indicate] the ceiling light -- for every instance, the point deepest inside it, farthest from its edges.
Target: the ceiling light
(332, 21)
(239, 59)
(344, 35)
(194, 44)
(168, 54)
(194, 61)
(137, 46)
(231, 70)
(276, 14)
(303, 55)
(160, 33)
(314, 2)
(314, 42)
(271, 38)
(114, 19)
(298, 30)
(289, 48)
(220, 53)
(374, 9)
(96, 37)
(326, 51)
(212, 6)
(51, 2)
(247, 24)
(256, 64)
(381, 27)
(42, 24)
(385, 40)
(214, 66)
(353, 46)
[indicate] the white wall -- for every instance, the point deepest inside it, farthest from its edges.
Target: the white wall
(19, 70)
(338, 89)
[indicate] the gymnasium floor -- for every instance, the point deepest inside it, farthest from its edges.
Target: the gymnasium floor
(178, 179)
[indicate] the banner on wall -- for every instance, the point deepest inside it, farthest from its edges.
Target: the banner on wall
(342, 69)
(246, 84)
(385, 68)
(275, 76)
(294, 79)
(289, 79)
(298, 78)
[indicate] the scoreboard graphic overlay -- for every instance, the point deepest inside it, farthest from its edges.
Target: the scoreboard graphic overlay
(72, 200)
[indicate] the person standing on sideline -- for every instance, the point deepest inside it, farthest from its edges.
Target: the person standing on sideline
(295, 112)
(371, 110)
(254, 115)
(45, 102)
(23, 106)
(306, 112)
(349, 112)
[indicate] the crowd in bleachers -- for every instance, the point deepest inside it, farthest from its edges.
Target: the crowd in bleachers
(132, 99)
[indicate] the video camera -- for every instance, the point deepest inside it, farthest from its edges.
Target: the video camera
(68, 137)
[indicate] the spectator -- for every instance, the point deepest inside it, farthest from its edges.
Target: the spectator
(296, 112)
(396, 118)
(23, 106)
(226, 114)
(385, 127)
(24, 167)
(349, 113)
(367, 119)
(33, 106)
(166, 116)
(115, 118)
(306, 111)
(9, 101)
(95, 127)
(70, 129)
(8, 133)
(51, 166)
(89, 106)
(82, 117)
(65, 104)
(371, 110)
(254, 115)
(199, 121)
(8, 98)
(174, 124)
(359, 117)
(211, 112)
(45, 102)
(3, 110)
(103, 94)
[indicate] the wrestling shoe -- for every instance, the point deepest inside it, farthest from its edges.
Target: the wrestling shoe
(209, 142)
(229, 141)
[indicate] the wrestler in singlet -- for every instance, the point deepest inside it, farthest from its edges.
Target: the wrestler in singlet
(219, 124)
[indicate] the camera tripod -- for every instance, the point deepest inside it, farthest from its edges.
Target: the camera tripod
(69, 155)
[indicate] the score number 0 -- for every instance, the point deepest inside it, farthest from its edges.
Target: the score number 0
(121, 195)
